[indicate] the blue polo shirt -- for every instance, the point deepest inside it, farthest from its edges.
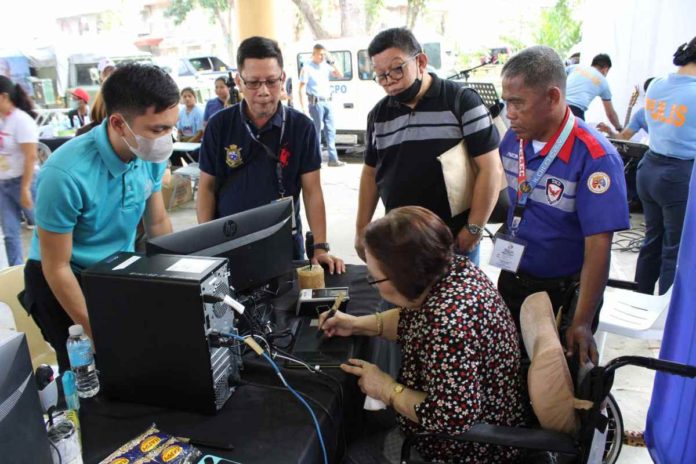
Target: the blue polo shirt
(317, 77)
(583, 193)
(245, 174)
(670, 110)
(189, 123)
(584, 84)
(212, 106)
(85, 189)
(638, 121)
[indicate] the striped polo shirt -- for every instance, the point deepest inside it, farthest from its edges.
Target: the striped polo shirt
(403, 145)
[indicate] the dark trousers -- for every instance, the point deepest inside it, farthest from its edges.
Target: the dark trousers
(564, 292)
(579, 113)
(44, 308)
(663, 188)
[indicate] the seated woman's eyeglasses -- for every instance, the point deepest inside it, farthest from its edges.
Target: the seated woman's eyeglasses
(395, 74)
(255, 85)
(372, 281)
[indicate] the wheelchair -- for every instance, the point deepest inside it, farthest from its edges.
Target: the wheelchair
(599, 433)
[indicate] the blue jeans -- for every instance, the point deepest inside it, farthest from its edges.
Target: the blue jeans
(663, 188)
(10, 218)
(323, 118)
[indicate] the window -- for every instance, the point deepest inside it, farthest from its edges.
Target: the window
(219, 65)
(343, 62)
(183, 69)
(201, 64)
(365, 71)
(85, 75)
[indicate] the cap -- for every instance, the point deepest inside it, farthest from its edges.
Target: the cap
(81, 94)
(105, 63)
(76, 330)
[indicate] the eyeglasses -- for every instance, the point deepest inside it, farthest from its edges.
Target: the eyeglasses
(395, 74)
(256, 85)
(372, 281)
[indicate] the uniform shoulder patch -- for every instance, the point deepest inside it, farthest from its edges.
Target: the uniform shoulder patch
(598, 182)
(593, 145)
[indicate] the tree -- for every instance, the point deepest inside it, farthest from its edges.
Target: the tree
(372, 10)
(558, 29)
(313, 21)
(220, 12)
(414, 8)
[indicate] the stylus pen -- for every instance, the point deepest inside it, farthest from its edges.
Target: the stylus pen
(332, 313)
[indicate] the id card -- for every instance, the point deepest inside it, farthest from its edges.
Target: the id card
(507, 252)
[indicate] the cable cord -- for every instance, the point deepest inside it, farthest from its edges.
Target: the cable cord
(250, 341)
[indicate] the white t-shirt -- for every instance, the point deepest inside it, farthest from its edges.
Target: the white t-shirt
(15, 129)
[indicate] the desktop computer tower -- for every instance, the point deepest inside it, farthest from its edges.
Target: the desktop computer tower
(23, 437)
(150, 328)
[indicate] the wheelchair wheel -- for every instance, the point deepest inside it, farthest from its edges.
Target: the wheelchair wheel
(615, 432)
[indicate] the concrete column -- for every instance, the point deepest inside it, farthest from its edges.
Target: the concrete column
(257, 17)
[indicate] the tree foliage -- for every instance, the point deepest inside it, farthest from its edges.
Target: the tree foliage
(220, 13)
(558, 29)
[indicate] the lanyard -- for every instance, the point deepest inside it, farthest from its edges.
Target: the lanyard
(525, 188)
(268, 151)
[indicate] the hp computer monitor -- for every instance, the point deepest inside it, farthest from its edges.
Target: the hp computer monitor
(23, 436)
(258, 243)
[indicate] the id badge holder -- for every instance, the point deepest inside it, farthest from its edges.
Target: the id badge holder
(507, 252)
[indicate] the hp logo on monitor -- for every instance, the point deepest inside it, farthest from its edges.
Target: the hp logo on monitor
(229, 228)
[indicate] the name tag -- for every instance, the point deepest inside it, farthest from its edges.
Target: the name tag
(507, 252)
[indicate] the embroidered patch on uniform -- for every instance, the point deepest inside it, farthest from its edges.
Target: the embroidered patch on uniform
(284, 156)
(233, 156)
(598, 182)
(554, 190)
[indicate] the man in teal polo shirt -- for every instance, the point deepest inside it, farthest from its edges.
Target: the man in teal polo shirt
(92, 192)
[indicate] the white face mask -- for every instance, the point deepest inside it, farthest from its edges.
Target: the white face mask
(153, 150)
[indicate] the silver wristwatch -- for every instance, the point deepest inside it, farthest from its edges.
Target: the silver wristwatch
(474, 229)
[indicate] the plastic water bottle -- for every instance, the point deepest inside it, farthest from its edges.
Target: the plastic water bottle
(82, 362)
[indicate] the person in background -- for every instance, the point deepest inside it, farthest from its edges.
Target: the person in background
(190, 124)
(585, 83)
(636, 123)
(96, 115)
(461, 361)
(79, 116)
(106, 67)
(92, 192)
(214, 105)
(665, 170)
(315, 82)
(18, 138)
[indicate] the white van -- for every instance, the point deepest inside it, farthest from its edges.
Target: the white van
(356, 93)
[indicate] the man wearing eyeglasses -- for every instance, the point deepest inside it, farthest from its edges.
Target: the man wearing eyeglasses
(315, 78)
(258, 151)
(413, 125)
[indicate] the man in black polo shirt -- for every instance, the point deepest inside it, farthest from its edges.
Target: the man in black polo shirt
(413, 125)
(258, 151)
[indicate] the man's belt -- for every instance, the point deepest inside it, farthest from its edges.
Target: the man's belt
(313, 99)
(545, 284)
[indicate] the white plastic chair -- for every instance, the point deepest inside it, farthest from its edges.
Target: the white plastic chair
(632, 314)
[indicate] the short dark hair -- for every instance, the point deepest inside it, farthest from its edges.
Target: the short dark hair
(258, 48)
(221, 79)
(189, 90)
(318, 46)
(647, 82)
(396, 37)
(685, 54)
(133, 88)
(539, 66)
(414, 247)
(601, 61)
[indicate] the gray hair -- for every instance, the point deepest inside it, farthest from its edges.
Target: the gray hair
(539, 66)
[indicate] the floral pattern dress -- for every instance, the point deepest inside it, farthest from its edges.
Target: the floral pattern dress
(461, 348)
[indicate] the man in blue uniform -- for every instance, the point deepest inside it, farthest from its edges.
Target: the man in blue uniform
(314, 78)
(586, 83)
(258, 151)
(567, 187)
(93, 191)
(665, 170)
